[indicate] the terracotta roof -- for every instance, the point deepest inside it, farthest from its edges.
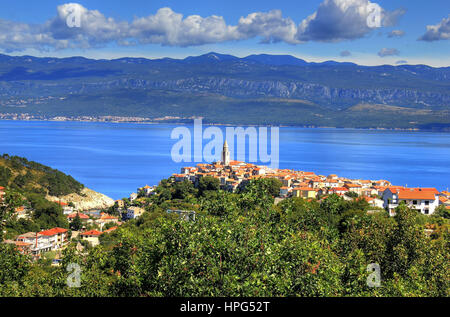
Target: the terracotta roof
(416, 194)
(352, 185)
(305, 189)
(81, 215)
(106, 217)
(339, 189)
(21, 243)
(429, 189)
(52, 232)
(110, 229)
(91, 233)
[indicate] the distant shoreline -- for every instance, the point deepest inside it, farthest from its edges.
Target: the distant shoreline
(184, 121)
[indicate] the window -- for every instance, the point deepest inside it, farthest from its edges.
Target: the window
(414, 202)
(427, 202)
(426, 211)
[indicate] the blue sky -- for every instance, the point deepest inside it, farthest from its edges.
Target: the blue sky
(335, 29)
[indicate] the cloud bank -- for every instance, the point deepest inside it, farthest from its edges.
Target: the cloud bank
(75, 26)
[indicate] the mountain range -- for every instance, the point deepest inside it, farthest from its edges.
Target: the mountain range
(257, 89)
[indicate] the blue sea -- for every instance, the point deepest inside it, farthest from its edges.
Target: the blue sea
(116, 158)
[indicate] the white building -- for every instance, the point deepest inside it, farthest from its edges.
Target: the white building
(133, 213)
(424, 200)
(39, 243)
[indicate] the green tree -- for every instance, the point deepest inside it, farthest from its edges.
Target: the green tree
(208, 183)
(76, 223)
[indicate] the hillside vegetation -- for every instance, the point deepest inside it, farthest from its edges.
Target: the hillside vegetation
(28, 176)
(242, 244)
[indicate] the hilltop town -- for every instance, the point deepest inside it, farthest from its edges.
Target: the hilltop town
(308, 185)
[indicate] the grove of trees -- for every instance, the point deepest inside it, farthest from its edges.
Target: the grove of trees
(243, 244)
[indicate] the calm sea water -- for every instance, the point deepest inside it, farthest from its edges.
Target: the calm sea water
(115, 159)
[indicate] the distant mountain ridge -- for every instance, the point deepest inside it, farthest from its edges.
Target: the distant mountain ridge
(222, 87)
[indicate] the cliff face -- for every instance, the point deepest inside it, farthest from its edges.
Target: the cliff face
(322, 94)
(88, 199)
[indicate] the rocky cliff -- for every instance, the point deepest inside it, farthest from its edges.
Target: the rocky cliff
(86, 200)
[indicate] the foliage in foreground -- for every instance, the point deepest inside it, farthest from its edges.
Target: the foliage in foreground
(242, 244)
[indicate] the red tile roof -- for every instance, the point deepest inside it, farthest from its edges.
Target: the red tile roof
(110, 229)
(91, 233)
(52, 232)
(416, 194)
(81, 215)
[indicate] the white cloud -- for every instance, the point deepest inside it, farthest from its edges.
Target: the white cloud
(338, 20)
(271, 26)
(169, 28)
(440, 31)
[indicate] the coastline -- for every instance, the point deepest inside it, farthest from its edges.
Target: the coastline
(183, 121)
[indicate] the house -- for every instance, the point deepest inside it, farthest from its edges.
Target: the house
(334, 183)
(105, 218)
(133, 196)
(65, 207)
(21, 212)
(22, 247)
(356, 188)
(57, 237)
(444, 201)
(180, 177)
(146, 190)
(38, 243)
(133, 213)
(83, 217)
(424, 200)
(91, 236)
(374, 202)
(120, 203)
(338, 190)
(284, 191)
(304, 192)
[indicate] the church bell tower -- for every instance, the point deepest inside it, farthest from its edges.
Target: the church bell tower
(225, 154)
